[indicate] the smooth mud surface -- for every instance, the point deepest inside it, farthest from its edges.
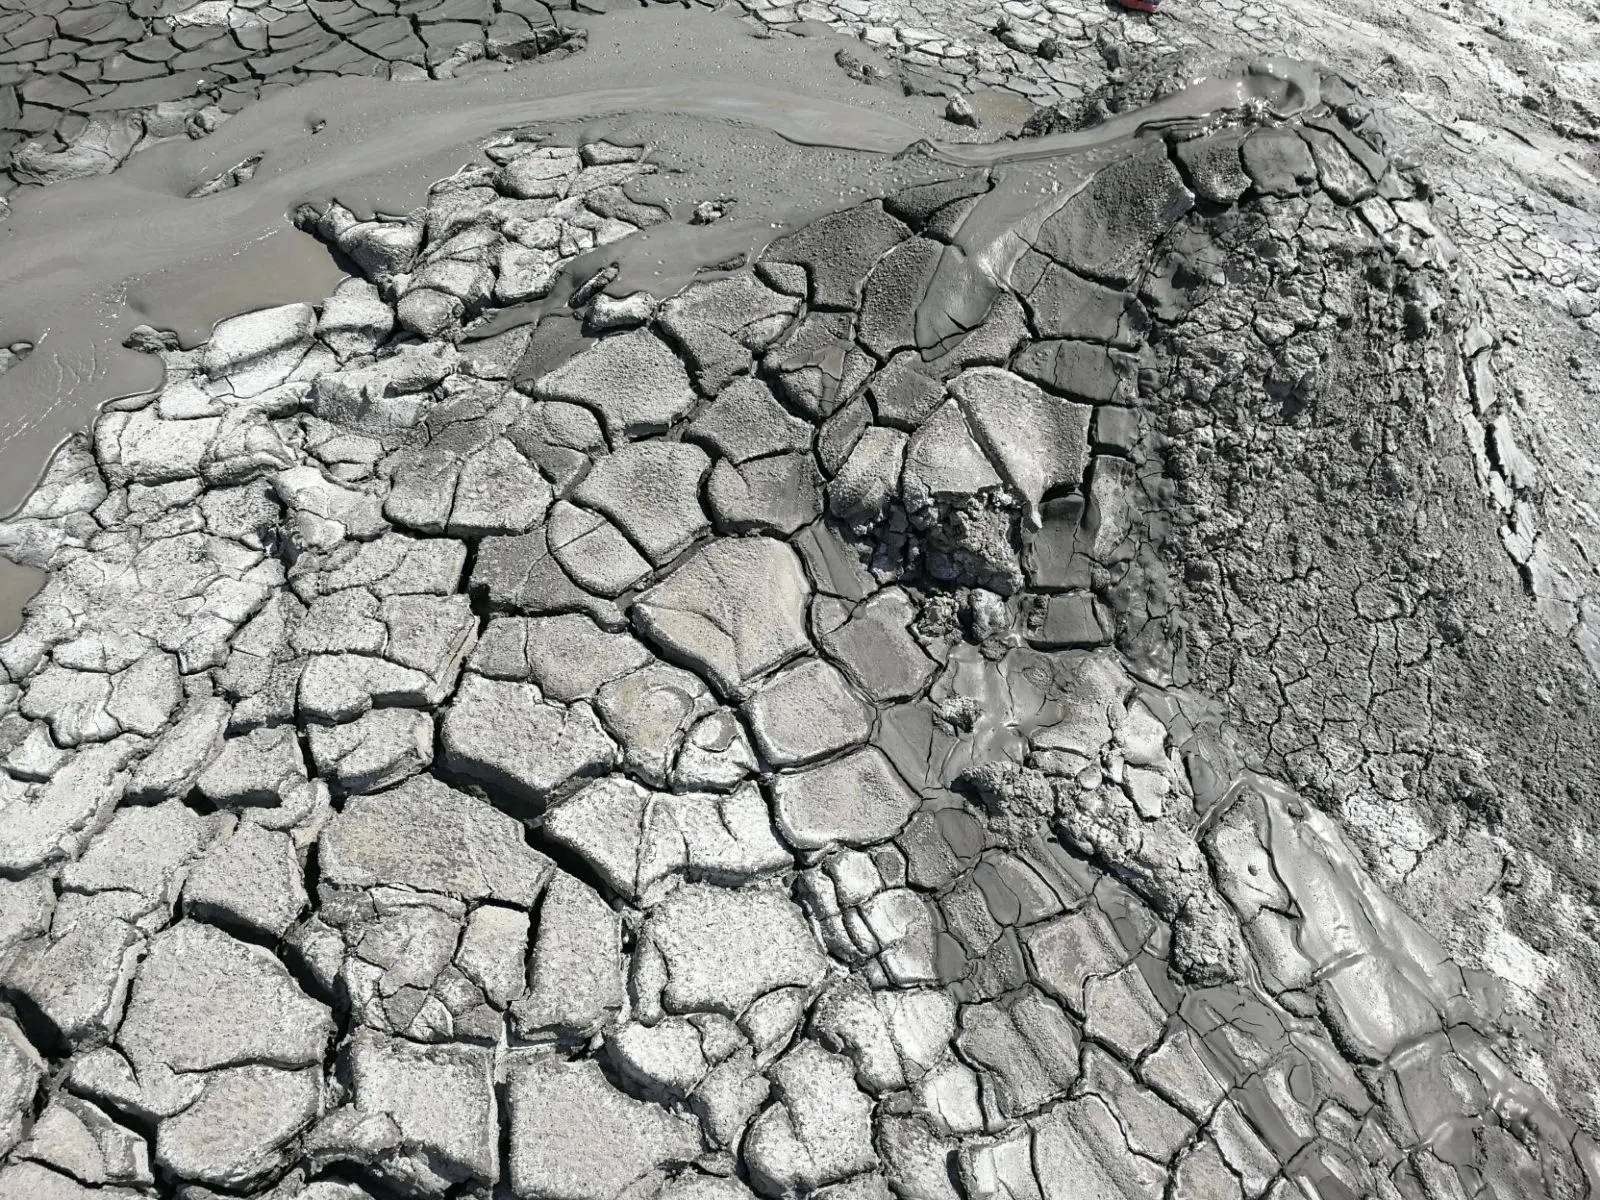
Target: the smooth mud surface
(17, 584)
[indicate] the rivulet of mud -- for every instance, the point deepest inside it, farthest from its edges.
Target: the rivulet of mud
(85, 260)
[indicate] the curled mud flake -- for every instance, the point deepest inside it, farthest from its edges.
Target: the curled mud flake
(13, 354)
(241, 172)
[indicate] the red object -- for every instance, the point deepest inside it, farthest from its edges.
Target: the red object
(1144, 6)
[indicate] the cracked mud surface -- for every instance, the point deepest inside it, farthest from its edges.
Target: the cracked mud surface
(1035, 668)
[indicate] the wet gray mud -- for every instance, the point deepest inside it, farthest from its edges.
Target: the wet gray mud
(17, 586)
(180, 263)
(647, 692)
(177, 263)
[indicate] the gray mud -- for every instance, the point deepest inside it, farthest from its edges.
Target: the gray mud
(176, 263)
(162, 259)
(888, 521)
(17, 584)
(877, 519)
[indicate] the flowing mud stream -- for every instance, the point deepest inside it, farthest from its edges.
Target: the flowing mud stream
(142, 252)
(778, 126)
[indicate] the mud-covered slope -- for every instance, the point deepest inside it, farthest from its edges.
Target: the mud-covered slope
(770, 739)
(1343, 581)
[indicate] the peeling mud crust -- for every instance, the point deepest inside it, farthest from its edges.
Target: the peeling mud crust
(1002, 670)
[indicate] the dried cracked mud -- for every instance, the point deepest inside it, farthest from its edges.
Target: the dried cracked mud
(853, 601)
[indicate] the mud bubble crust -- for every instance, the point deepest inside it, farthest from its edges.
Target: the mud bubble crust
(735, 742)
